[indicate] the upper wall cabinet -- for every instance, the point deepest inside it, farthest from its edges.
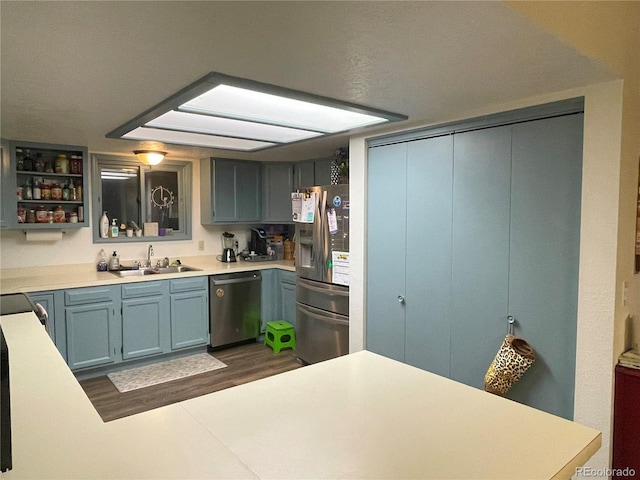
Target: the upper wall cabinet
(230, 191)
(134, 194)
(44, 186)
(312, 172)
(277, 185)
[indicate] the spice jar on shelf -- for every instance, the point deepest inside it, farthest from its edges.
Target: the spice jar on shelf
(75, 164)
(62, 163)
(41, 214)
(45, 191)
(59, 215)
(31, 216)
(56, 192)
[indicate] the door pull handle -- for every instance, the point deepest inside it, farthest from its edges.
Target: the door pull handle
(400, 299)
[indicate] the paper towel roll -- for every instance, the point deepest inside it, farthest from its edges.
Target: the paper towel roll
(43, 236)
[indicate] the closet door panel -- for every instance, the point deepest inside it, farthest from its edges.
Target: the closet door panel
(386, 250)
(480, 266)
(545, 242)
(428, 266)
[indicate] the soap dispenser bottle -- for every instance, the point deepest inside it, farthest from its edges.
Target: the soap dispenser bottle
(104, 225)
(114, 228)
(114, 262)
(102, 263)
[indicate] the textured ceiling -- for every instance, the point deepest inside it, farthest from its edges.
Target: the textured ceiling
(73, 71)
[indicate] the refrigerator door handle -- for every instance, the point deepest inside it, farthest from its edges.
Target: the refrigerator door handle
(323, 318)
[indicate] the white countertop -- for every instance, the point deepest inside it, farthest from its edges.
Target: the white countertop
(57, 277)
(357, 416)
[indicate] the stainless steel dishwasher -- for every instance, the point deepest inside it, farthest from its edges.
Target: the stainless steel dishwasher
(234, 314)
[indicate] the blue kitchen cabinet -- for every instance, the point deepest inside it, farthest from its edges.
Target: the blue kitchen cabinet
(269, 296)
(288, 296)
(304, 175)
(145, 319)
(6, 190)
(189, 301)
(48, 301)
(92, 326)
(322, 171)
(277, 185)
(486, 228)
(230, 191)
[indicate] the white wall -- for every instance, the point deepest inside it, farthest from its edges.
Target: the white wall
(77, 246)
(598, 248)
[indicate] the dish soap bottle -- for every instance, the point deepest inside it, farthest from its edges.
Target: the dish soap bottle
(104, 225)
(102, 263)
(114, 261)
(114, 228)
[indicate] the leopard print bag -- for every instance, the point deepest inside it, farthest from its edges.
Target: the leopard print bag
(511, 362)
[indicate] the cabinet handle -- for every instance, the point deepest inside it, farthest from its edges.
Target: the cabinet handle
(400, 298)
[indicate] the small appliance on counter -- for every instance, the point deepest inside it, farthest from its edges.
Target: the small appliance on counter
(258, 243)
(228, 244)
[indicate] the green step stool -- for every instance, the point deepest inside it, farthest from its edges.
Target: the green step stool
(280, 334)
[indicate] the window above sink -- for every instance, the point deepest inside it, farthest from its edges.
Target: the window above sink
(135, 194)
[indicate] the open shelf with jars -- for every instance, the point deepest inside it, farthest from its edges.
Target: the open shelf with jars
(50, 183)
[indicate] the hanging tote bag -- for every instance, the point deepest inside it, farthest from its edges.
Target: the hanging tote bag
(513, 359)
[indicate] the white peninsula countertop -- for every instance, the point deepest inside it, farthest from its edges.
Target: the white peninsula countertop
(360, 416)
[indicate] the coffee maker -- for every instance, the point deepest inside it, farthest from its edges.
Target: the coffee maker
(228, 244)
(258, 242)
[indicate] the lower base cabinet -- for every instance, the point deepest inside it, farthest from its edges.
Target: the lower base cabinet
(189, 299)
(145, 319)
(278, 296)
(288, 296)
(92, 327)
(102, 326)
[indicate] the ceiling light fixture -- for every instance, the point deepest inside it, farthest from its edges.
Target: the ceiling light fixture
(220, 111)
(150, 157)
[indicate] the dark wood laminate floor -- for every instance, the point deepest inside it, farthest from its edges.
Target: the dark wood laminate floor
(245, 363)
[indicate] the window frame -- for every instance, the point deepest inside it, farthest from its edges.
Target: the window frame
(184, 171)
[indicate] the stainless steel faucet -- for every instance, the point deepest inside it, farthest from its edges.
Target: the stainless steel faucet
(149, 255)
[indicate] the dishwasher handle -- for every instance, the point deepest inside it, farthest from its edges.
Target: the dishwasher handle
(228, 281)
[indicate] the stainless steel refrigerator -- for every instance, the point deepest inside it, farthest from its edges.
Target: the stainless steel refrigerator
(322, 268)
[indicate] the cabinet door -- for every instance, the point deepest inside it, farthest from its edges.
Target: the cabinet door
(47, 300)
(322, 171)
(92, 335)
(386, 250)
(288, 296)
(230, 191)
(277, 181)
(189, 319)
(145, 322)
(248, 192)
(428, 261)
(270, 307)
(304, 175)
(6, 191)
(544, 256)
(480, 250)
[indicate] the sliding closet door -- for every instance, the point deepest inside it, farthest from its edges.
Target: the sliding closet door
(480, 243)
(386, 250)
(545, 241)
(428, 265)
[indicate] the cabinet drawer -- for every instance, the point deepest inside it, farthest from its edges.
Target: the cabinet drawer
(78, 296)
(142, 289)
(188, 284)
(287, 277)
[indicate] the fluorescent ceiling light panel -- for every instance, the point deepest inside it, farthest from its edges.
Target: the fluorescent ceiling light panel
(191, 122)
(224, 112)
(195, 139)
(237, 102)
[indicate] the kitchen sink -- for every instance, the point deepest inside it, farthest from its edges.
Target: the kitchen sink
(155, 271)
